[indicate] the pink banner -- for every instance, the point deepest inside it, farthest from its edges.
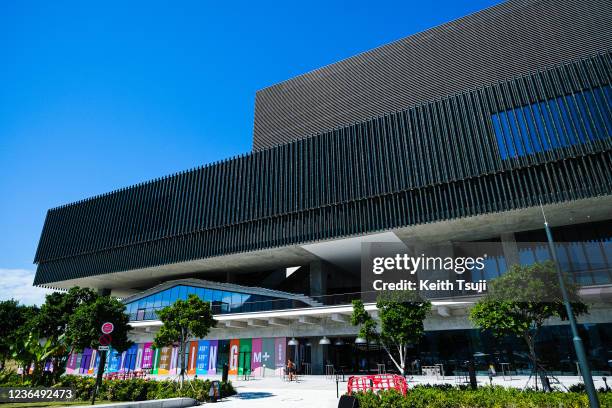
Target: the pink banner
(280, 348)
(256, 357)
(147, 356)
(71, 364)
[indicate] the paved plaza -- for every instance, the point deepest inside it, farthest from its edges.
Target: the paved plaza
(320, 392)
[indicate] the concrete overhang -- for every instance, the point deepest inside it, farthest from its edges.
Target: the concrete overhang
(311, 315)
(478, 227)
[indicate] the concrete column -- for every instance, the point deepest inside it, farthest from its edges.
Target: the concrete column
(316, 356)
(510, 249)
(318, 278)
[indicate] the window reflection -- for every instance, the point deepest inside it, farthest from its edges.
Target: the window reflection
(221, 301)
(560, 122)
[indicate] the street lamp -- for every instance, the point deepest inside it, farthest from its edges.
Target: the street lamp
(578, 346)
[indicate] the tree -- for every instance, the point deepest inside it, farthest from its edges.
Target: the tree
(55, 313)
(32, 352)
(183, 321)
(520, 301)
(84, 328)
(17, 322)
(401, 317)
(52, 323)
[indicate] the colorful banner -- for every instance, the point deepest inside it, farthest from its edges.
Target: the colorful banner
(71, 364)
(212, 358)
(234, 350)
(267, 355)
(256, 363)
(244, 359)
(113, 359)
(280, 349)
(155, 368)
(95, 360)
(85, 359)
(203, 355)
(139, 355)
(164, 361)
(193, 356)
(147, 356)
(259, 357)
(129, 363)
(174, 360)
(123, 358)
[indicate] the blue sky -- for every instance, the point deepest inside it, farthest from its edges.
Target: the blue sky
(94, 97)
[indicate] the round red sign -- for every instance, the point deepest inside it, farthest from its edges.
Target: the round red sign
(105, 340)
(108, 328)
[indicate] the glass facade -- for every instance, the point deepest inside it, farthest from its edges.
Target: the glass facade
(454, 348)
(584, 252)
(222, 301)
(573, 119)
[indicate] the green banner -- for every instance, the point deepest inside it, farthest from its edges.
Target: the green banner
(244, 358)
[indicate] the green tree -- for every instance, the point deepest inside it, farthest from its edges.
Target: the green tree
(17, 321)
(54, 316)
(183, 321)
(32, 352)
(401, 318)
(84, 328)
(519, 302)
(52, 323)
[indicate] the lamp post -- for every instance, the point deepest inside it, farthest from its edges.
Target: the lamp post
(578, 346)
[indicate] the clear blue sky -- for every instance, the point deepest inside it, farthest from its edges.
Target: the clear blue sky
(94, 97)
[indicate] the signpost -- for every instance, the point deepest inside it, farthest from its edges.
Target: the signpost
(105, 341)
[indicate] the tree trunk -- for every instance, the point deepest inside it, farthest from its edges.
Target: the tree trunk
(398, 366)
(182, 360)
(99, 376)
(532, 355)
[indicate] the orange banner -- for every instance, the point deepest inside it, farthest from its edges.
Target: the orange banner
(164, 360)
(234, 351)
(193, 355)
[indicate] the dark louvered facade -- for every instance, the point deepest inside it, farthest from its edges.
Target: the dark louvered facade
(512, 38)
(434, 161)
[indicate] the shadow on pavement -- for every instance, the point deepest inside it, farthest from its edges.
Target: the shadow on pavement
(253, 395)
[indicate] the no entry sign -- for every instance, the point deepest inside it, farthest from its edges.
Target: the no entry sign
(105, 340)
(108, 327)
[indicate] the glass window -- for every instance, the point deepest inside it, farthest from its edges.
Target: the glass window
(208, 296)
(182, 293)
(227, 300)
(166, 298)
(236, 303)
(174, 294)
(200, 293)
(157, 300)
(560, 122)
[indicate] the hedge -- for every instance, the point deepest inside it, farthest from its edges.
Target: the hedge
(484, 397)
(135, 389)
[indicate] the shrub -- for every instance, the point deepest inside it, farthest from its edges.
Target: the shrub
(484, 397)
(138, 389)
(9, 378)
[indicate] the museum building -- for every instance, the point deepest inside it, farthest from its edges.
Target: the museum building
(455, 134)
